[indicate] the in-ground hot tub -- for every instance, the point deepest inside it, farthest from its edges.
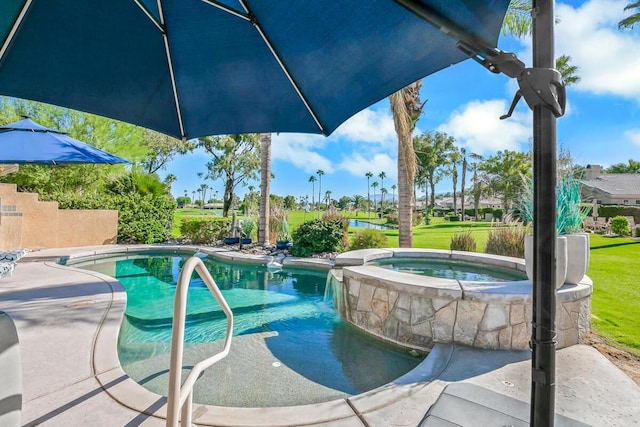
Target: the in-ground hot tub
(417, 311)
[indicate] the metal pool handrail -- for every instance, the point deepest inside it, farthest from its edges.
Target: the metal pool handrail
(181, 397)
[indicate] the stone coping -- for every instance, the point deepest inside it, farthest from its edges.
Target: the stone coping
(123, 389)
(356, 262)
(221, 253)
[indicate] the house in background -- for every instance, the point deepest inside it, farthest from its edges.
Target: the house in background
(610, 188)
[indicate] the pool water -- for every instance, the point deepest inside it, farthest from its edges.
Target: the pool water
(290, 347)
(448, 269)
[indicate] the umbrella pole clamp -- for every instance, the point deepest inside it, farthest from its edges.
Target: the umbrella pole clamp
(540, 87)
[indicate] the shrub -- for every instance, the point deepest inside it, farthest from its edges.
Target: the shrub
(332, 215)
(507, 238)
(144, 219)
(141, 218)
(638, 231)
(463, 240)
(317, 236)
(417, 218)
(367, 238)
(452, 218)
(620, 226)
(203, 230)
(392, 219)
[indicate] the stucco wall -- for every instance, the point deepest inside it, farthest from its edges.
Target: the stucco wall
(27, 222)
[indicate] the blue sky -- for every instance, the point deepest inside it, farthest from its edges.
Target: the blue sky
(601, 126)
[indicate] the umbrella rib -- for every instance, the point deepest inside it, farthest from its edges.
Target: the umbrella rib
(227, 9)
(171, 71)
(149, 15)
(14, 28)
(256, 25)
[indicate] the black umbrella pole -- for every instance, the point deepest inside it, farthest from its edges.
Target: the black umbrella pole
(544, 262)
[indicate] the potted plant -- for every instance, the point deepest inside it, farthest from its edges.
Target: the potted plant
(283, 240)
(248, 228)
(572, 245)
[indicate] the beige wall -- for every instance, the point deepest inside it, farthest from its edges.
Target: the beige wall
(26, 222)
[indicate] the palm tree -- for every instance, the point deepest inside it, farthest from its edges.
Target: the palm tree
(358, 201)
(170, 179)
(383, 191)
(465, 165)
(393, 192)
(477, 189)
(193, 199)
(369, 175)
(203, 193)
(382, 175)
(312, 180)
(633, 19)
(454, 161)
(320, 172)
(265, 188)
(374, 184)
(406, 109)
(327, 197)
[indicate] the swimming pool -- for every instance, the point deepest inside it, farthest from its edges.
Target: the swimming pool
(290, 347)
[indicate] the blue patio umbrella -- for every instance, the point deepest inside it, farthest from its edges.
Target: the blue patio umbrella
(27, 142)
(190, 68)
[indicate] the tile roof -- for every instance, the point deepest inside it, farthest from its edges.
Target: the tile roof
(615, 183)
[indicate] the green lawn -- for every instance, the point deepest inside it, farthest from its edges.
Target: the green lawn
(614, 269)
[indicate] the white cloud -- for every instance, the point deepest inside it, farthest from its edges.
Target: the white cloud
(633, 135)
(477, 126)
(608, 58)
(368, 126)
(370, 131)
(299, 150)
(358, 165)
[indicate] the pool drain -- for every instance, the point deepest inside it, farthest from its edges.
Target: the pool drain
(276, 364)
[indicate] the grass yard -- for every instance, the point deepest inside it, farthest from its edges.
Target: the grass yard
(614, 269)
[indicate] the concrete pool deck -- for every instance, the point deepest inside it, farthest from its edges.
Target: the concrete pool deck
(68, 320)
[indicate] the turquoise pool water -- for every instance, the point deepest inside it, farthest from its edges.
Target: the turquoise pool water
(290, 346)
(448, 269)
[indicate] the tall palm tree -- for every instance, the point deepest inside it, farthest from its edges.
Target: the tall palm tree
(369, 175)
(374, 184)
(382, 175)
(477, 189)
(465, 165)
(406, 109)
(193, 199)
(393, 189)
(312, 180)
(327, 198)
(633, 19)
(454, 161)
(320, 172)
(265, 188)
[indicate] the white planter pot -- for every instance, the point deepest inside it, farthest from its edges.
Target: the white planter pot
(577, 256)
(561, 258)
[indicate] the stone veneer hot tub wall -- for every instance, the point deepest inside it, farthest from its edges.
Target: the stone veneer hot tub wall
(416, 311)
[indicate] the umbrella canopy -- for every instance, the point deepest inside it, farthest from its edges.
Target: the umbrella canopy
(27, 142)
(191, 68)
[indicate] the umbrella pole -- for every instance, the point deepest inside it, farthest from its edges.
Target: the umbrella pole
(543, 338)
